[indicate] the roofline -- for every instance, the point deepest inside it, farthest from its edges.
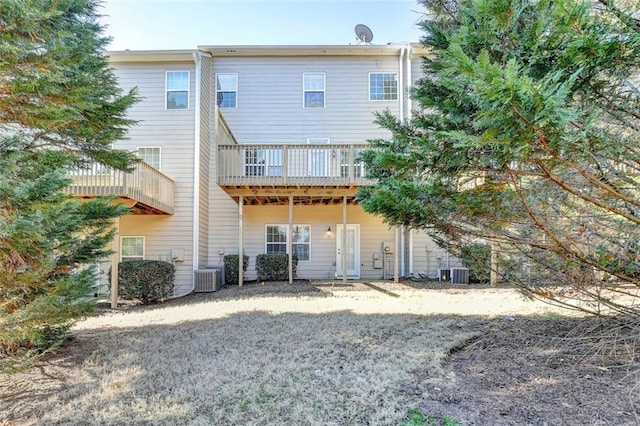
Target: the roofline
(186, 55)
(151, 55)
(303, 50)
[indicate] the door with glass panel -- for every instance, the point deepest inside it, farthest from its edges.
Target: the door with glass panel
(352, 248)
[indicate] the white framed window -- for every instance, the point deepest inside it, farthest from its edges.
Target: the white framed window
(131, 248)
(313, 90)
(227, 90)
(150, 155)
(383, 86)
(177, 90)
(276, 237)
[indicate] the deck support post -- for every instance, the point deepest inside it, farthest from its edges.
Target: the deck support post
(290, 240)
(396, 255)
(115, 258)
(344, 239)
(240, 242)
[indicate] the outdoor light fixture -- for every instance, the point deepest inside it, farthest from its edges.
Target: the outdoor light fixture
(329, 231)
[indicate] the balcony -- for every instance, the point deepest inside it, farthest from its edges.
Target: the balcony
(147, 190)
(271, 173)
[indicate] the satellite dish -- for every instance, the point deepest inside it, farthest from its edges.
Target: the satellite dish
(363, 34)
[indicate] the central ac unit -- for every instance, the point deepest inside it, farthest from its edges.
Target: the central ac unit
(207, 280)
(454, 275)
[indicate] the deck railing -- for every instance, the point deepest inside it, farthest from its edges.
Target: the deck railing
(285, 164)
(143, 184)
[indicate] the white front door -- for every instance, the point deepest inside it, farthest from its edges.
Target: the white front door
(352, 249)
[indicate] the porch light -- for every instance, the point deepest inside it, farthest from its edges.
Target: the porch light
(329, 231)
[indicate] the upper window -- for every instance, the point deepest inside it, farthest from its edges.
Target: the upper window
(150, 155)
(227, 90)
(177, 86)
(314, 88)
(276, 240)
(383, 86)
(131, 248)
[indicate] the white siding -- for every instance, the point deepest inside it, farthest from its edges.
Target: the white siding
(205, 158)
(269, 108)
(173, 131)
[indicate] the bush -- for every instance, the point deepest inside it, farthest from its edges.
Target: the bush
(231, 270)
(477, 258)
(147, 280)
(274, 267)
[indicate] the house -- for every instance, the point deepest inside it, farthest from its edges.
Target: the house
(254, 149)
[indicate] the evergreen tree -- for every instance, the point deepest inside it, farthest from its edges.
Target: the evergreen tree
(526, 133)
(60, 108)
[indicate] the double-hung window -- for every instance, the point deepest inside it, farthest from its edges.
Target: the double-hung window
(313, 90)
(177, 89)
(383, 86)
(227, 90)
(131, 248)
(150, 155)
(277, 237)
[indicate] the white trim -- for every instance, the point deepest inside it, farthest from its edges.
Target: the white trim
(398, 85)
(319, 141)
(286, 243)
(166, 90)
(339, 237)
(324, 89)
(159, 148)
(144, 245)
(216, 89)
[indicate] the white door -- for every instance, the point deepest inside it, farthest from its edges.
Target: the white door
(352, 248)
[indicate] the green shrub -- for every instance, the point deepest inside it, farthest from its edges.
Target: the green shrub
(274, 267)
(231, 270)
(147, 280)
(477, 258)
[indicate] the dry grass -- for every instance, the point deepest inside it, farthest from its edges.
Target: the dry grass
(321, 355)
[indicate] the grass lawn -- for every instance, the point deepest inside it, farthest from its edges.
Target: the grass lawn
(276, 354)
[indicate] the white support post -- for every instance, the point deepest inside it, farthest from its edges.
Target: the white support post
(240, 243)
(115, 258)
(396, 256)
(344, 239)
(290, 240)
(493, 277)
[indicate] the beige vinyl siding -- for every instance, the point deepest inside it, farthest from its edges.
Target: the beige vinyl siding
(428, 257)
(173, 132)
(323, 248)
(270, 95)
(416, 69)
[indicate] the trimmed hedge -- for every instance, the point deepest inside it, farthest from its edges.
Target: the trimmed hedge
(274, 267)
(147, 280)
(231, 270)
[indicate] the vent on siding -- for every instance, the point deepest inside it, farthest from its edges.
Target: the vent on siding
(207, 280)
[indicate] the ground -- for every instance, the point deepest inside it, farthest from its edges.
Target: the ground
(326, 353)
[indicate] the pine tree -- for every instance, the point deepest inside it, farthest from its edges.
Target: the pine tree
(60, 108)
(526, 134)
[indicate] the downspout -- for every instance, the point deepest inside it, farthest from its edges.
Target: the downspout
(401, 95)
(408, 117)
(197, 59)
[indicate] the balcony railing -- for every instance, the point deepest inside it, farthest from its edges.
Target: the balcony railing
(291, 165)
(152, 190)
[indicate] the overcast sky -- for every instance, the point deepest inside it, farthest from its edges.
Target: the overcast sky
(185, 24)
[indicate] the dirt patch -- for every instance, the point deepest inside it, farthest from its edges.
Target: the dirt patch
(524, 371)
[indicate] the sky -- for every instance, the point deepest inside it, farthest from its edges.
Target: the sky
(185, 24)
